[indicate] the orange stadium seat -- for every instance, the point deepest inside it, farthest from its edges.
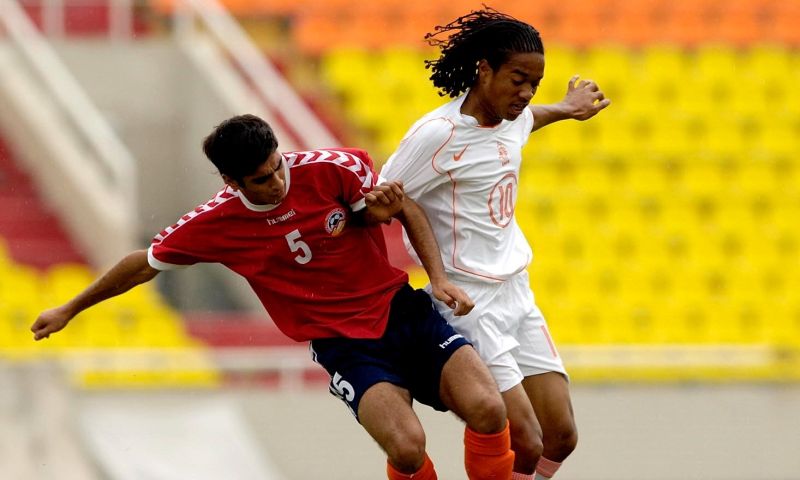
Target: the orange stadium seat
(688, 22)
(313, 33)
(579, 24)
(741, 24)
(684, 22)
(783, 25)
(638, 22)
(241, 7)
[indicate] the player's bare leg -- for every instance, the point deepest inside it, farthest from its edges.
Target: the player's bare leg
(526, 433)
(549, 394)
(468, 389)
(400, 434)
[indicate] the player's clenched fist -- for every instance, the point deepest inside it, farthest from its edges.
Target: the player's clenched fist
(50, 321)
(454, 297)
(385, 200)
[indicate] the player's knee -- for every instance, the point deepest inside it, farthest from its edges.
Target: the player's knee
(527, 444)
(565, 441)
(487, 413)
(406, 451)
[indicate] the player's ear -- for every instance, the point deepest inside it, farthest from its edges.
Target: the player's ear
(231, 182)
(484, 69)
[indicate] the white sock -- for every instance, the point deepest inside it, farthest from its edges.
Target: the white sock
(546, 469)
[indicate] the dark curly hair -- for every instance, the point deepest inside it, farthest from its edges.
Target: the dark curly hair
(239, 145)
(483, 34)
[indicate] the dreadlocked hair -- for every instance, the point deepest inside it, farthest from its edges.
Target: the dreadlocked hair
(483, 34)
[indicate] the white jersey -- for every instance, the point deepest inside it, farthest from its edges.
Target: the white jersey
(465, 177)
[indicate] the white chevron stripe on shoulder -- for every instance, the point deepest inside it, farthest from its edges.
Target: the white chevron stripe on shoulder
(304, 158)
(221, 197)
(344, 159)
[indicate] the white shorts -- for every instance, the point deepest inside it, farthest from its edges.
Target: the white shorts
(507, 329)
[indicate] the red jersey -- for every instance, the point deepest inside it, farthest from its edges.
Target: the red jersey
(316, 272)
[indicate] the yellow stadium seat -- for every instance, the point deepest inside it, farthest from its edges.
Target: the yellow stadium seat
(16, 320)
(562, 63)
(779, 135)
(341, 66)
(784, 315)
(609, 63)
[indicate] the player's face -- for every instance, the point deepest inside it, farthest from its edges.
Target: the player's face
(509, 89)
(267, 186)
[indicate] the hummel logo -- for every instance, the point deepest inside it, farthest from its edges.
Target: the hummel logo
(286, 216)
(457, 156)
(450, 340)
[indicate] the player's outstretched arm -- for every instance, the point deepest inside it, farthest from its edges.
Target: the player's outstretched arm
(126, 274)
(583, 100)
(424, 242)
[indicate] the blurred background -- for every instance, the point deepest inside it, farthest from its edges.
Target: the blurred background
(665, 231)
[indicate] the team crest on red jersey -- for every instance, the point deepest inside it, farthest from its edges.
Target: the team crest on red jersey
(334, 221)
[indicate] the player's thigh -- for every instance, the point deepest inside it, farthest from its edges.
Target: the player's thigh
(468, 389)
(549, 395)
(385, 413)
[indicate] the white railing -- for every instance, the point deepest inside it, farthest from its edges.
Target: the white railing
(279, 97)
(112, 158)
(290, 364)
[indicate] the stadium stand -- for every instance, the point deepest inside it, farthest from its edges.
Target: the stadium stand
(135, 340)
(669, 221)
(319, 23)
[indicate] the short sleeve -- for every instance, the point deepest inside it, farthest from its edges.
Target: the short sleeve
(185, 243)
(357, 176)
(417, 161)
(527, 127)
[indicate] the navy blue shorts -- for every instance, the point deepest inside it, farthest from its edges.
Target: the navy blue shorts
(410, 354)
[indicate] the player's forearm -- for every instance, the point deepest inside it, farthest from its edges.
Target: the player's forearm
(127, 273)
(544, 115)
(422, 239)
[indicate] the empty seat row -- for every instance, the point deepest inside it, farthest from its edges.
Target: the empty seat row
(318, 25)
(666, 100)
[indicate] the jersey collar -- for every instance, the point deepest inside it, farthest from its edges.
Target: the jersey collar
(266, 208)
(469, 120)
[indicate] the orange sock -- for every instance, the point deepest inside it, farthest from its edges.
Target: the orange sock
(425, 472)
(488, 456)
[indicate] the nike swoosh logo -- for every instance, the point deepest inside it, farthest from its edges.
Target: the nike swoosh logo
(457, 156)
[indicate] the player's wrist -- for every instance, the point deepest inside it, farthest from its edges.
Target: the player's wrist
(564, 110)
(438, 283)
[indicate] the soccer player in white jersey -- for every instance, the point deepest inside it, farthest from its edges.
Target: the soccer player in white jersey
(303, 228)
(461, 163)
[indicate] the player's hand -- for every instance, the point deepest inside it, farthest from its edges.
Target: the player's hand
(583, 99)
(453, 297)
(50, 321)
(385, 201)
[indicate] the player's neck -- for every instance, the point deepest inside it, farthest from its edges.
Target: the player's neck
(480, 108)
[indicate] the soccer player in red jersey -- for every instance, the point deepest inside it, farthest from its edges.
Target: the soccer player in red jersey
(304, 229)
